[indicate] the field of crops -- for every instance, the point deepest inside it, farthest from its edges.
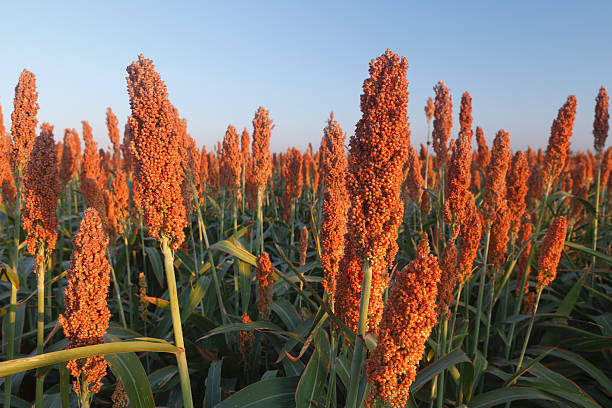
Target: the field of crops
(362, 272)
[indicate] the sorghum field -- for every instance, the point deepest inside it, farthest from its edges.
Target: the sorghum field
(362, 272)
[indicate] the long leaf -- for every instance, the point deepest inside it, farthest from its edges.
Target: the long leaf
(312, 382)
(232, 249)
(589, 251)
(275, 392)
(435, 368)
(43, 360)
(213, 384)
(264, 326)
(503, 395)
(127, 368)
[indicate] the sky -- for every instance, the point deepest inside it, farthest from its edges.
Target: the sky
(221, 60)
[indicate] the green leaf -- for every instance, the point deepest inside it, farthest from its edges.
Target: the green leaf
(579, 362)
(7, 274)
(16, 402)
(197, 293)
(435, 368)
(565, 308)
(287, 313)
(562, 393)
(502, 395)
(312, 382)
(589, 251)
(275, 392)
(43, 360)
(264, 326)
(156, 262)
(232, 249)
(213, 384)
(244, 273)
(127, 368)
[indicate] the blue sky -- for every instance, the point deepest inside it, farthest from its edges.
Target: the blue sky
(301, 60)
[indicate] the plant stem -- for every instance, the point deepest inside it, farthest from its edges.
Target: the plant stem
(596, 216)
(483, 273)
(40, 328)
(442, 347)
(519, 300)
(116, 286)
(129, 278)
(526, 342)
(359, 350)
(181, 357)
(13, 307)
(260, 239)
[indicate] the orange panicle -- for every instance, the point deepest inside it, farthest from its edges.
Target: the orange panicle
(292, 174)
(71, 156)
(559, 141)
(429, 109)
(550, 252)
(9, 192)
(469, 240)
(443, 122)
(335, 203)
(261, 160)
(86, 316)
(448, 279)
(112, 124)
(231, 162)
(155, 149)
(494, 198)
(407, 320)
(265, 279)
(91, 159)
(523, 267)
(41, 188)
(458, 174)
(414, 180)
(117, 202)
(303, 248)
(516, 189)
(602, 116)
(23, 127)
(378, 152)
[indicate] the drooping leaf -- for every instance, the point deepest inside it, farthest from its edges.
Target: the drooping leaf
(275, 392)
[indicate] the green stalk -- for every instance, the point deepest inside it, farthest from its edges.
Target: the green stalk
(483, 273)
(116, 285)
(12, 310)
(454, 319)
(596, 217)
(442, 347)
(519, 300)
(222, 215)
(40, 329)
(491, 303)
(260, 239)
(176, 322)
(526, 342)
(129, 278)
(427, 151)
(359, 350)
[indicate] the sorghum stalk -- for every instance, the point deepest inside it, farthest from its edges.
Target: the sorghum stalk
(359, 349)
(429, 110)
(176, 321)
(600, 133)
(117, 288)
(483, 273)
(13, 299)
(550, 254)
(40, 328)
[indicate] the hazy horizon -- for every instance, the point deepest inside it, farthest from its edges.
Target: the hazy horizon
(220, 62)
